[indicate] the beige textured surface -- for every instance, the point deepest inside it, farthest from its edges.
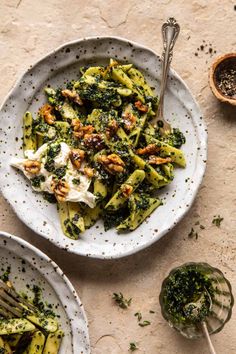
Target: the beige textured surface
(28, 30)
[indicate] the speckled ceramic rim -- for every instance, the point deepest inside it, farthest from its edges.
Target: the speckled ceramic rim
(64, 289)
(202, 132)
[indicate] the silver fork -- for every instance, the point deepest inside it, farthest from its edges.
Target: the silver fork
(170, 32)
(12, 304)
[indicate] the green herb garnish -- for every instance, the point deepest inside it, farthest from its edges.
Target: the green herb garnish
(217, 220)
(121, 301)
(138, 315)
(50, 198)
(36, 181)
(76, 181)
(5, 276)
(144, 323)
(60, 172)
(133, 346)
(193, 234)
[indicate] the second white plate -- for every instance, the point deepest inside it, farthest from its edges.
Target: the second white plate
(29, 266)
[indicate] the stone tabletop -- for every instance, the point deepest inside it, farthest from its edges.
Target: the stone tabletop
(28, 30)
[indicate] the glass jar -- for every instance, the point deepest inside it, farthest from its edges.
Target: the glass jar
(221, 300)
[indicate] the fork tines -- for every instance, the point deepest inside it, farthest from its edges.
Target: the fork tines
(12, 303)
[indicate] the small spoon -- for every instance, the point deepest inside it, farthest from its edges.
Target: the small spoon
(195, 308)
(170, 31)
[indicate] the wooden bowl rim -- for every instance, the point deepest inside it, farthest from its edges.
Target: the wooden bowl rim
(213, 86)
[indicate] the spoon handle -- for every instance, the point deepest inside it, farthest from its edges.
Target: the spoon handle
(207, 336)
(170, 32)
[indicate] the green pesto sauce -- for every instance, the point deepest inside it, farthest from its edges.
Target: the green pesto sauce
(60, 172)
(113, 219)
(50, 198)
(5, 275)
(36, 181)
(176, 138)
(53, 151)
(37, 301)
(187, 285)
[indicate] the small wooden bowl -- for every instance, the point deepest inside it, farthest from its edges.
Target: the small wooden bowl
(222, 62)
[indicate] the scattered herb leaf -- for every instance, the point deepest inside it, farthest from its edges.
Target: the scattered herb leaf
(5, 276)
(133, 346)
(121, 301)
(217, 220)
(144, 323)
(193, 234)
(202, 227)
(138, 315)
(151, 311)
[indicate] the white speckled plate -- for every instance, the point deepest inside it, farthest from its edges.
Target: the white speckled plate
(182, 110)
(31, 266)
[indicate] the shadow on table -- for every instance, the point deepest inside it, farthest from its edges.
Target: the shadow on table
(100, 270)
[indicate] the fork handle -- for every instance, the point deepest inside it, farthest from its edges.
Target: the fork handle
(170, 32)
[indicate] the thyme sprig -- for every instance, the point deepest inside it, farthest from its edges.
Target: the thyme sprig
(144, 323)
(133, 346)
(121, 301)
(138, 315)
(217, 220)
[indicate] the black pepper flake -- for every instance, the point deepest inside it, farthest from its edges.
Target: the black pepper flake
(226, 81)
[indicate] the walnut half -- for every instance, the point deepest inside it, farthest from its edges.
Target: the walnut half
(77, 157)
(89, 172)
(32, 166)
(141, 107)
(129, 121)
(126, 190)
(46, 113)
(111, 128)
(72, 95)
(112, 163)
(94, 141)
(154, 160)
(79, 130)
(60, 189)
(148, 150)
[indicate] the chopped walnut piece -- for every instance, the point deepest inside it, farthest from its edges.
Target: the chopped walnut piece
(112, 163)
(129, 121)
(77, 157)
(94, 141)
(89, 172)
(79, 130)
(111, 128)
(60, 189)
(76, 123)
(154, 160)
(141, 107)
(73, 95)
(126, 190)
(32, 166)
(148, 150)
(46, 112)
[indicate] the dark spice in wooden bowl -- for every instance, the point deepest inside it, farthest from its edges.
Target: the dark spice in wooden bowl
(226, 79)
(222, 78)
